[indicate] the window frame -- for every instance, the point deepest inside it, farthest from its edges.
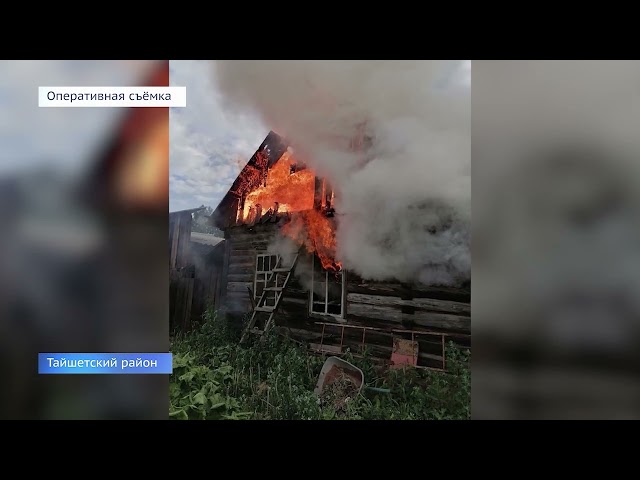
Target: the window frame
(264, 274)
(343, 295)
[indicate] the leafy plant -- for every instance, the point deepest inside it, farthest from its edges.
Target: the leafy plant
(215, 378)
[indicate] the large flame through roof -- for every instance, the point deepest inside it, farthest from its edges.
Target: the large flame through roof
(289, 187)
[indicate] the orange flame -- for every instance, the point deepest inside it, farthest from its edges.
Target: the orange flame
(282, 189)
(316, 232)
(292, 191)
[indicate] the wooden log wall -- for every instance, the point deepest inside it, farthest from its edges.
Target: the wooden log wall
(388, 307)
(243, 245)
(420, 313)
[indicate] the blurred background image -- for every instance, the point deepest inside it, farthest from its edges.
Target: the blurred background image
(555, 239)
(83, 206)
(84, 202)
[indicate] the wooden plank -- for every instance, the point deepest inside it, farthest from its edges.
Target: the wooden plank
(237, 258)
(174, 244)
(252, 246)
(240, 277)
(296, 312)
(178, 305)
(188, 303)
(293, 300)
(225, 272)
(239, 286)
(300, 334)
(444, 306)
(240, 265)
(241, 269)
(259, 230)
(215, 287)
(418, 319)
(323, 348)
(440, 320)
(413, 291)
(185, 240)
(239, 238)
(391, 314)
(181, 305)
(243, 252)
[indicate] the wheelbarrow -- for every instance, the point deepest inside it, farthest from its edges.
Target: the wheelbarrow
(334, 367)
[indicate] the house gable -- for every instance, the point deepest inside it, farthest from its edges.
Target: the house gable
(267, 154)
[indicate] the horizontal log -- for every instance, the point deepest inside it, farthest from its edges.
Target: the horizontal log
(238, 295)
(300, 334)
(444, 306)
(239, 287)
(246, 264)
(291, 293)
(443, 321)
(253, 246)
(418, 319)
(292, 289)
(240, 277)
(414, 291)
(252, 238)
(237, 258)
(242, 269)
(391, 314)
(256, 229)
(293, 300)
(251, 233)
(250, 252)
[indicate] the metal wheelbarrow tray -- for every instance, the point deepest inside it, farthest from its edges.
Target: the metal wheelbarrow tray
(333, 369)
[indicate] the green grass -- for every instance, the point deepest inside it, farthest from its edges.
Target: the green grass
(215, 378)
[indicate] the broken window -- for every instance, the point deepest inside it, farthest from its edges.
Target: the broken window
(265, 263)
(327, 293)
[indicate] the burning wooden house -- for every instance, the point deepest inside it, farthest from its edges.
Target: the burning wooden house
(302, 290)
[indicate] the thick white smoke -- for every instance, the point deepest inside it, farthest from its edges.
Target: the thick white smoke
(404, 210)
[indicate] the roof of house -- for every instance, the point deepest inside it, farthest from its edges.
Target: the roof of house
(190, 210)
(273, 146)
(206, 239)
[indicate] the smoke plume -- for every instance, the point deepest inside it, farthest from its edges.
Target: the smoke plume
(404, 203)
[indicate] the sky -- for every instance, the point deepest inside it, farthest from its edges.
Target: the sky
(209, 145)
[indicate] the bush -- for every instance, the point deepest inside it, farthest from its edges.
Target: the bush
(215, 378)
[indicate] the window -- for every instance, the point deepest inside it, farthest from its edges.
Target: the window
(327, 290)
(265, 263)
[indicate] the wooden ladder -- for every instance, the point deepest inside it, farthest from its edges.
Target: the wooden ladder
(270, 286)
